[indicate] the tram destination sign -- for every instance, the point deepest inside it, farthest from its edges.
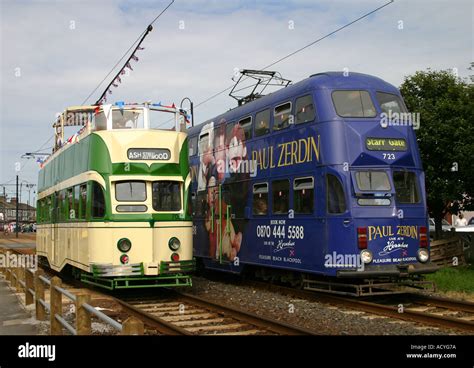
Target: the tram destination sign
(386, 144)
(162, 154)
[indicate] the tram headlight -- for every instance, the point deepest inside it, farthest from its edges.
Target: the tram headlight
(124, 245)
(366, 256)
(174, 244)
(423, 255)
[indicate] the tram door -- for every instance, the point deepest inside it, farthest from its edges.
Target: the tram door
(339, 224)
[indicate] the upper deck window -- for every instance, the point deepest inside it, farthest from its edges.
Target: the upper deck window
(193, 146)
(390, 103)
(121, 119)
(281, 116)
(373, 181)
(304, 109)
(130, 191)
(262, 123)
(406, 187)
(246, 125)
(167, 196)
(353, 104)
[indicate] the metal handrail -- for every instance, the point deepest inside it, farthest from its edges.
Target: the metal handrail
(65, 324)
(47, 306)
(103, 317)
(66, 293)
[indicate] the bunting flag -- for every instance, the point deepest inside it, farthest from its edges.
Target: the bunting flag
(117, 80)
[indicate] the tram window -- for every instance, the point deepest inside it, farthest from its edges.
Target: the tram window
(201, 204)
(406, 187)
(373, 201)
(131, 208)
(246, 125)
(193, 146)
(130, 191)
(373, 181)
(303, 194)
(390, 103)
(49, 208)
(203, 143)
(76, 202)
(353, 104)
(336, 202)
(62, 205)
(70, 202)
(98, 201)
(166, 196)
(281, 116)
(260, 199)
(304, 109)
(281, 196)
(99, 122)
(127, 119)
(262, 123)
(83, 200)
(228, 132)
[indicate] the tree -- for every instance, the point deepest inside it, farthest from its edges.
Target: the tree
(445, 138)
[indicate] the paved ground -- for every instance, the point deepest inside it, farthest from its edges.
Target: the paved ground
(14, 320)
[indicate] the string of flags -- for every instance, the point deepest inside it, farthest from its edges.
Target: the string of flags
(127, 67)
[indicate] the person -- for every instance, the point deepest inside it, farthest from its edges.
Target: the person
(461, 221)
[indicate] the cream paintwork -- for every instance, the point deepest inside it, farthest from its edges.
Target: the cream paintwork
(75, 180)
(84, 243)
(120, 140)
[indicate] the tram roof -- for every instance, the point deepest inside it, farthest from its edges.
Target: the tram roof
(326, 80)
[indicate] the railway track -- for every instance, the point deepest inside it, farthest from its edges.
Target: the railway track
(184, 314)
(411, 307)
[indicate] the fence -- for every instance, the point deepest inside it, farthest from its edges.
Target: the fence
(445, 251)
(34, 284)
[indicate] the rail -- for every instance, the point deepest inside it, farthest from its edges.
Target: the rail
(34, 284)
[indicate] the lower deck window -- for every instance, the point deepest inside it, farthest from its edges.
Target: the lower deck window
(166, 196)
(98, 201)
(281, 196)
(303, 194)
(260, 199)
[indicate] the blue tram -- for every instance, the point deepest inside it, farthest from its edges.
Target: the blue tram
(321, 178)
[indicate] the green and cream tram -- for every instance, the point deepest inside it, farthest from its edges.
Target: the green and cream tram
(112, 199)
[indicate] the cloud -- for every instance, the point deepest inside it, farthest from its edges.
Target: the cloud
(64, 48)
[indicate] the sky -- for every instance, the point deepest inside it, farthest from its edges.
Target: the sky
(53, 54)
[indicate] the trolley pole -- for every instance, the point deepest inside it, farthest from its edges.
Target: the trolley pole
(17, 208)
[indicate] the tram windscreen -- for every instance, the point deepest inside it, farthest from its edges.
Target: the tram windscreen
(406, 187)
(130, 191)
(166, 196)
(390, 103)
(353, 104)
(373, 181)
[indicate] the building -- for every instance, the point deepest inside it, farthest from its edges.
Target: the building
(26, 213)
